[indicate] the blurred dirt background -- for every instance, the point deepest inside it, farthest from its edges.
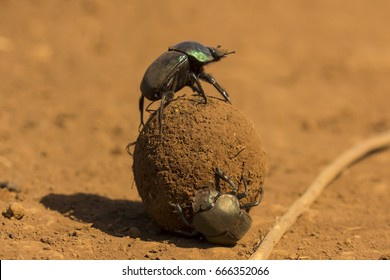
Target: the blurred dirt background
(313, 76)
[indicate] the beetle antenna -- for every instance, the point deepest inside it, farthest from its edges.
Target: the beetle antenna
(225, 52)
(230, 52)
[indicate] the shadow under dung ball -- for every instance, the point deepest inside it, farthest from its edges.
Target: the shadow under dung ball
(196, 139)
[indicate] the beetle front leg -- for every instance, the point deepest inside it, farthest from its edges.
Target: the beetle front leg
(179, 211)
(210, 79)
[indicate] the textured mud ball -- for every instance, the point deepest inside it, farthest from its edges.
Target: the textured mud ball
(196, 138)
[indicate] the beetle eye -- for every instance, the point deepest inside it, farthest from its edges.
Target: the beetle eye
(215, 53)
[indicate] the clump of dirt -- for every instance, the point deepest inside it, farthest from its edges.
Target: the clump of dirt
(15, 210)
(196, 138)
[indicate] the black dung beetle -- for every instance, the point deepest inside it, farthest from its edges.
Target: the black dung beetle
(182, 65)
(219, 217)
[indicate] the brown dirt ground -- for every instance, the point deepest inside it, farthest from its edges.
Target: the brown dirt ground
(311, 75)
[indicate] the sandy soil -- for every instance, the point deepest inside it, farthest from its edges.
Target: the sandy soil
(311, 75)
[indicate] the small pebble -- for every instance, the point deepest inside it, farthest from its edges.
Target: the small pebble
(47, 240)
(15, 210)
(348, 241)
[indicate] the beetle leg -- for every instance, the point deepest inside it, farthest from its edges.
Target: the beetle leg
(199, 89)
(128, 147)
(210, 79)
(147, 107)
(194, 83)
(182, 232)
(141, 109)
(220, 175)
(165, 97)
(254, 203)
(179, 211)
(245, 193)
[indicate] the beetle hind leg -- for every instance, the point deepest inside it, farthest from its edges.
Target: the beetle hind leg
(141, 110)
(254, 203)
(245, 193)
(220, 175)
(165, 98)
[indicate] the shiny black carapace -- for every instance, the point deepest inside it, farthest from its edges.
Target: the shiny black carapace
(182, 65)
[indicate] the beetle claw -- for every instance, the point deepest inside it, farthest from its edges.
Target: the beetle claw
(128, 147)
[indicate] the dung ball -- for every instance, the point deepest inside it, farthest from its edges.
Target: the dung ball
(172, 167)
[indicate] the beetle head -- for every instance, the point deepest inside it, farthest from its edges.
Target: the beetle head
(219, 53)
(204, 200)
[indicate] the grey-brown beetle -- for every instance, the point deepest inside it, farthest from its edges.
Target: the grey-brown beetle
(219, 217)
(182, 65)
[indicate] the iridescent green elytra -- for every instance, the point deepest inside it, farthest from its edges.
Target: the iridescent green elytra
(194, 50)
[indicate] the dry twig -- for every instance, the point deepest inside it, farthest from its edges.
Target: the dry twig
(302, 204)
